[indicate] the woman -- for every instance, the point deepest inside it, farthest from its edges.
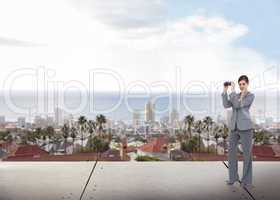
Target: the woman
(241, 128)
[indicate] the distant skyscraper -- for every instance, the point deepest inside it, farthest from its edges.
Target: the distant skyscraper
(21, 122)
(58, 115)
(49, 121)
(39, 122)
(150, 112)
(165, 119)
(136, 118)
(174, 117)
(2, 120)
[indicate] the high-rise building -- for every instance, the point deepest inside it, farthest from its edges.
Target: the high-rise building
(174, 117)
(39, 122)
(136, 118)
(58, 116)
(49, 121)
(150, 112)
(21, 122)
(2, 120)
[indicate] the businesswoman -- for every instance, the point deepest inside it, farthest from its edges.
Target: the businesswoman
(240, 129)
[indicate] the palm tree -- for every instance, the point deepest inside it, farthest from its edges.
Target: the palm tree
(261, 136)
(208, 122)
(217, 135)
(38, 132)
(44, 138)
(91, 130)
(32, 136)
(82, 126)
(41, 132)
(73, 135)
(198, 127)
(225, 131)
(49, 131)
(65, 133)
(56, 140)
(9, 138)
(4, 134)
(179, 137)
(100, 120)
(109, 136)
(99, 145)
(188, 121)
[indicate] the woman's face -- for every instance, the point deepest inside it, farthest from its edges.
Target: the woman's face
(243, 85)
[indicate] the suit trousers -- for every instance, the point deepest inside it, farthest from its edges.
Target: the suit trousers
(246, 143)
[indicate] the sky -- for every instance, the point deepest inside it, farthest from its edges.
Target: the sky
(136, 44)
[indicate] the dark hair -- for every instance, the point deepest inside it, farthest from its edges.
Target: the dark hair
(243, 78)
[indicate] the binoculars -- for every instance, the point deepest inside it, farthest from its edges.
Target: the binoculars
(227, 83)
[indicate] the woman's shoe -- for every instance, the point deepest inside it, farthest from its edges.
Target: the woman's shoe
(246, 185)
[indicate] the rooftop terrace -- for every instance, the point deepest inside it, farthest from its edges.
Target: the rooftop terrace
(132, 181)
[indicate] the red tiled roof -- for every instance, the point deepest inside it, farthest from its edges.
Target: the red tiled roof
(208, 157)
(10, 147)
(263, 151)
(4, 145)
(30, 150)
(74, 157)
(156, 145)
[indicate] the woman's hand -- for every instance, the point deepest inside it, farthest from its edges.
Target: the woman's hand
(225, 89)
(243, 93)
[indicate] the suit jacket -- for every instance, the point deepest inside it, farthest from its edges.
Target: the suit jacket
(240, 109)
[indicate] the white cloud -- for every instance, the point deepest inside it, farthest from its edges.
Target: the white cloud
(125, 13)
(189, 32)
(135, 40)
(14, 42)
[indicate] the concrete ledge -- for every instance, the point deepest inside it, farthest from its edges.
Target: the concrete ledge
(132, 181)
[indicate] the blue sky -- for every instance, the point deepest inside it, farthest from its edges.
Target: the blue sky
(262, 18)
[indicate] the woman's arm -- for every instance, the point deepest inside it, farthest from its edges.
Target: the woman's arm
(243, 102)
(226, 102)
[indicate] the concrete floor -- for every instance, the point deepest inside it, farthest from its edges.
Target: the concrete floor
(132, 181)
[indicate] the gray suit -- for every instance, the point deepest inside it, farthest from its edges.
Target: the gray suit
(241, 128)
